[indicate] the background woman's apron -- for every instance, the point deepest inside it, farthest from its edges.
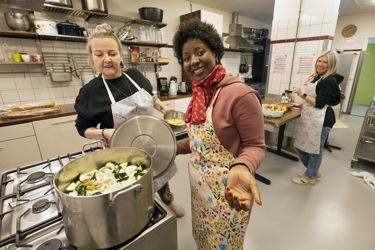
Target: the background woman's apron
(310, 124)
(215, 224)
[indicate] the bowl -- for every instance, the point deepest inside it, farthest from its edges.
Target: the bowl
(151, 14)
(172, 116)
(271, 113)
(26, 58)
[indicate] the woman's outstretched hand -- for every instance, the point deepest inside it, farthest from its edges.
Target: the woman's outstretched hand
(241, 188)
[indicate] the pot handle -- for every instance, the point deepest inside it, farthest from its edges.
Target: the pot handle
(136, 188)
(98, 142)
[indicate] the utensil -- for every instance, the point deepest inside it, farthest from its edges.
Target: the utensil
(123, 32)
(151, 13)
(18, 21)
(66, 3)
(68, 28)
(175, 115)
(150, 134)
(45, 27)
(60, 76)
(95, 5)
(105, 220)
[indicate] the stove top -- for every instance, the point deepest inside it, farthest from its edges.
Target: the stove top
(29, 213)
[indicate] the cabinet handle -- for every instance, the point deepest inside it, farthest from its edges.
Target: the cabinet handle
(62, 122)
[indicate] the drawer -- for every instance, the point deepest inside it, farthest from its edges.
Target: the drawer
(58, 136)
(18, 152)
(16, 131)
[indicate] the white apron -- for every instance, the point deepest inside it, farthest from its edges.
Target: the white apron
(310, 124)
(139, 103)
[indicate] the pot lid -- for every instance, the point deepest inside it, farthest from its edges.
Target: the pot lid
(150, 134)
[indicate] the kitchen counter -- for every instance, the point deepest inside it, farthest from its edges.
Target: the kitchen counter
(179, 96)
(66, 110)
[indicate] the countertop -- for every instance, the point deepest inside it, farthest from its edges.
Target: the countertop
(66, 110)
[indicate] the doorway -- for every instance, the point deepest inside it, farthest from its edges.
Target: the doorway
(365, 89)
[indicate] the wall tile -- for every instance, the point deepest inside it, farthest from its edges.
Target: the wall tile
(22, 82)
(68, 91)
(303, 31)
(55, 93)
(315, 30)
(316, 18)
(292, 21)
(41, 93)
(330, 16)
(304, 19)
(26, 95)
(28, 46)
(7, 83)
(10, 96)
(39, 82)
(291, 33)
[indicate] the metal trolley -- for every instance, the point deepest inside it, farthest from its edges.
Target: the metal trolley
(365, 149)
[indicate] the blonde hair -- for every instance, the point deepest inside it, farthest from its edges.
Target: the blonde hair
(332, 59)
(103, 30)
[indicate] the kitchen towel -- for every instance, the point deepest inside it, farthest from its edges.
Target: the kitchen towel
(367, 177)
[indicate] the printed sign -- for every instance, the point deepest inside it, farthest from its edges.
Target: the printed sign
(280, 63)
(306, 64)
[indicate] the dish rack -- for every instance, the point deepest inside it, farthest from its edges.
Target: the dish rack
(365, 149)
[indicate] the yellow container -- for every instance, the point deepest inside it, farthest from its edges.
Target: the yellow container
(17, 57)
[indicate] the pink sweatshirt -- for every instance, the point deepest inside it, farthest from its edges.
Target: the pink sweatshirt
(238, 123)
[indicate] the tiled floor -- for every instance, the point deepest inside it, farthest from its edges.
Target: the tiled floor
(337, 213)
(359, 110)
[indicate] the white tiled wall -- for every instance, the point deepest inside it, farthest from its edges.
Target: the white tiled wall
(318, 18)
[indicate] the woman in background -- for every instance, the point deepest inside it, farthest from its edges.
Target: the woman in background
(114, 96)
(317, 117)
(226, 139)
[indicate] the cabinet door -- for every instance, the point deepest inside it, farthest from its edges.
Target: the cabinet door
(182, 104)
(58, 136)
(18, 152)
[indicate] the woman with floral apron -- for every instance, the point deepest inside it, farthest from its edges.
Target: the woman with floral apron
(317, 116)
(114, 96)
(226, 140)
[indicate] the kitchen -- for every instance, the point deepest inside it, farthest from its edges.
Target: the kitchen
(24, 84)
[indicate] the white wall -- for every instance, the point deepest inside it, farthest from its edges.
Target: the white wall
(20, 84)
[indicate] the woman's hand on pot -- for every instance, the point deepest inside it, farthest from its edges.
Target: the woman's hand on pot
(241, 188)
(108, 133)
(298, 91)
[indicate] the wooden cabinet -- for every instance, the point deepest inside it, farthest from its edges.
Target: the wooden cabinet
(58, 136)
(18, 146)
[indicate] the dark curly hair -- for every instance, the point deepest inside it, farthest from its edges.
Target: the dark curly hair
(197, 29)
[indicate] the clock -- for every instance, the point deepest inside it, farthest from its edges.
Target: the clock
(349, 31)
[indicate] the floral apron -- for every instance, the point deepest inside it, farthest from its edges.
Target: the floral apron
(139, 103)
(310, 124)
(215, 224)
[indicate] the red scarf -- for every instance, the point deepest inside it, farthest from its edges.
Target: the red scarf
(202, 91)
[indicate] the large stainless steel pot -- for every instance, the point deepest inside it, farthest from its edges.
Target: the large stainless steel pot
(105, 220)
(95, 5)
(66, 3)
(18, 21)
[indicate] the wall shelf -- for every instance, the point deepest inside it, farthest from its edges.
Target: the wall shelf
(18, 33)
(143, 43)
(86, 14)
(149, 63)
(21, 63)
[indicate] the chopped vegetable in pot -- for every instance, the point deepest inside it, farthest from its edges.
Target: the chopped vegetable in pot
(108, 178)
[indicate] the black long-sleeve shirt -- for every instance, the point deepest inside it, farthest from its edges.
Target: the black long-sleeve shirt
(328, 93)
(93, 104)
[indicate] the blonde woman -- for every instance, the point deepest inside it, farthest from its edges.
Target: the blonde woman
(317, 116)
(115, 95)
